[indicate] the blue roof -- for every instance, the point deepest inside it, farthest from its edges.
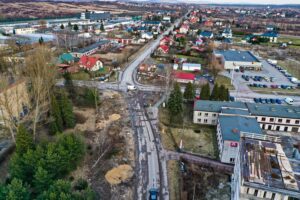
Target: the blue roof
(152, 22)
(227, 40)
(206, 33)
(284, 111)
(231, 126)
(270, 34)
(227, 30)
(235, 111)
(216, 106)
(241, 56)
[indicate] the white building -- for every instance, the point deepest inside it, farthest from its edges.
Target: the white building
(191, 67)
(24, 30)
(262, 171)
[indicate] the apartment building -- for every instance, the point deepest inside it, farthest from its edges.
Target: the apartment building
(270, 117)
(262, 171)
(14, 102)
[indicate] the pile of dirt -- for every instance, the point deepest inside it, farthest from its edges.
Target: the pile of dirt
(120, 174)
(114, 117)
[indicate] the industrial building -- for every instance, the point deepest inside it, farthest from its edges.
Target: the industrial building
(262, 171)
(232, 59)
(96, 15)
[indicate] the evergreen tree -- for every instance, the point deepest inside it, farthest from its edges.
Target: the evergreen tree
(205, 92)
(189, 91)
(24, 140)
(69, 24)
(67, 111)
(57, 124)
(62, 26)
(222, 93)
(42, 180)
(16, 190)
(227, 95)
(215, 94)
(69, 84)
(76, 27)
(41, 40)
(175, 101)
(102, 27)
(59, 190)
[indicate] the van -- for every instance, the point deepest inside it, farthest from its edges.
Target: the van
(131, 87)
(289, 100)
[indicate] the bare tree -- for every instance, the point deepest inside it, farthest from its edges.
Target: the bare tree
(41, 76)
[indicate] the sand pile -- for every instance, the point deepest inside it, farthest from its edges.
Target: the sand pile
(120, 174)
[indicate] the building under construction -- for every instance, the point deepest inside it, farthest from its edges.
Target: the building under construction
(262, 171)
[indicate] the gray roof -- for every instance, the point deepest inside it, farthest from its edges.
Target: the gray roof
(284, 111)
(231, 126)
(241, 56)
(216, 106)
(93, 46)
(235, 111)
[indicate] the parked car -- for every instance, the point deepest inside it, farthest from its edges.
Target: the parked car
(278, 101)
(289, 100)
(273, 101)
(268, 101)
(256, 100)
(260, 100)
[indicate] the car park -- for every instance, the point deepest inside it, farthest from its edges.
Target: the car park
(256, 100)
(268, 101)
(273, 101)
(278, 101)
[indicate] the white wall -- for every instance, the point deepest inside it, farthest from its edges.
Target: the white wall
(202, 117)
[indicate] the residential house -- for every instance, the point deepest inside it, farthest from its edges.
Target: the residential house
(167, 19)
(206, 34)
(184, 77)
(147, 35)
(90, 63)
(166, 41)
(227, 33)
(66, 58)
(90, 49)
(164, 49)
(271, 35)
(208, 23)
(184, 29)
(191, 67)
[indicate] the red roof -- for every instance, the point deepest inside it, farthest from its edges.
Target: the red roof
(88, 62)
(184, 75)
(165, 48)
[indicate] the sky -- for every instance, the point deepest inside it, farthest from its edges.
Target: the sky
(253, 1)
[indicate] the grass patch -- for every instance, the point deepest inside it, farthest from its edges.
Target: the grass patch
(223, 80)
(80, 76)
(286, 39)
(192, 59)
(174, 179)
(291, 66)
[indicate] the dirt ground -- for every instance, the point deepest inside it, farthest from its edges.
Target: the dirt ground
(109, 143)
(173, 179)
(201, 183)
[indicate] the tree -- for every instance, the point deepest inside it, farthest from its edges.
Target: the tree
(66, 108)
(59, 190)
(175, 102)
(41, 40)
(69, 84)
(69, 24)
(56, 125)
(62, 26)
(222, 93)
(189, 92)
(41, 76)
(215, 94)
(16, 190)
(205, 92)
(42, 180)
(102, 27)
(24, 140)
(76, 27)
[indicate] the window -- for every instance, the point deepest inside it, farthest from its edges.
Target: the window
(199, 114)
(214, 115)
(271, 119)
(199, 120)
(280, 120)
(263, 119)
(273, 196)
(205, 121)
(213, 121)
(206, 114)
(265, 194)
(288, 121)
(297, 122)
(255, 193)
(248, 190)
(286, 128)
(277, 128)
(232, 160)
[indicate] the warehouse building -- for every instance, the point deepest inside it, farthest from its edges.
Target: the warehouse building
(232, 59)
(262, 171)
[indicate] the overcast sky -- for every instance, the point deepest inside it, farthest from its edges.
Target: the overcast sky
(257, 1)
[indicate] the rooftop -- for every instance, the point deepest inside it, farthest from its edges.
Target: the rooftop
(239, 56)
(216, 106)
(93, 46)
(235, 111)
(231, 126)
(264, 165)
(285, 111)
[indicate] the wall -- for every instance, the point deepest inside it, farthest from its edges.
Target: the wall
(203, 117)
(279, 124)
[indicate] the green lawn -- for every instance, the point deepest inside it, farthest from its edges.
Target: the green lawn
(192, 58)
(291, 66)
(80, 76)
(223, 80)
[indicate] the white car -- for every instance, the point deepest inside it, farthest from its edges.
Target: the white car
(131, 87)
(289, 100)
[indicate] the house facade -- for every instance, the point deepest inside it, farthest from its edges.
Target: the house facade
(90, 63)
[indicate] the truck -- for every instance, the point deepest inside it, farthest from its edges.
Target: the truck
(153, 194)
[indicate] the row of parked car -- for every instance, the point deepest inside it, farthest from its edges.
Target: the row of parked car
(258, 78)
(288, 87)
(268, 101)
(286, 74)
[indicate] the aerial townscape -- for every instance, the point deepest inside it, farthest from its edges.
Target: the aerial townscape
(149, 100)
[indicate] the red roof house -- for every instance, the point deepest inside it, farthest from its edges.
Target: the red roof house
(90, 63)
(163, 49)
(184, 77)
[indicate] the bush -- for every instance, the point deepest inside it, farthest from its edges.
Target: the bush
(81, 184)
(80, 119)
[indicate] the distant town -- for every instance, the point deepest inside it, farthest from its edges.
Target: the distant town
(149, 100)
